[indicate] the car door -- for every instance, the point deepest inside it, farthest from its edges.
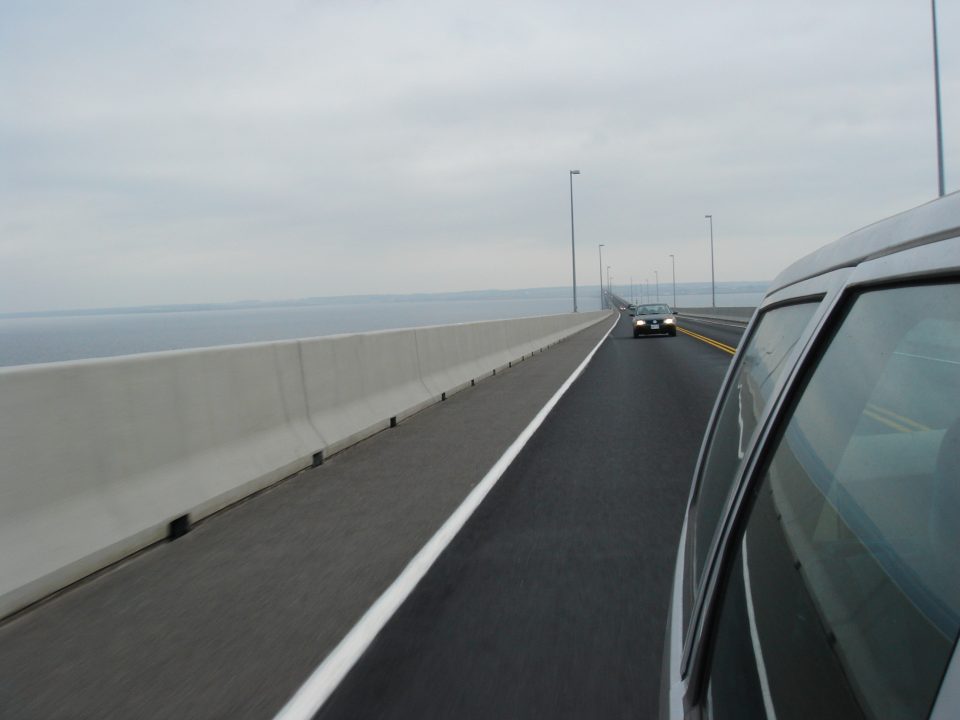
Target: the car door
(833, 589)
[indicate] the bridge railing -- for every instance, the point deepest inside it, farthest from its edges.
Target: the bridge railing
(739, 315)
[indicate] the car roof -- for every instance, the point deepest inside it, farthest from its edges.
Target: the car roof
(936, 220)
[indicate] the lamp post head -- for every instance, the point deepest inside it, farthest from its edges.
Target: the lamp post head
(574, 172)
(708, 216)
(601, 245)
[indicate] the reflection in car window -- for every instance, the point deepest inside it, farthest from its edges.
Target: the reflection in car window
(844, 600)
(760, 367)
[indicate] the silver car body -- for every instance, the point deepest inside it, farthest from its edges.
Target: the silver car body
(909, 252)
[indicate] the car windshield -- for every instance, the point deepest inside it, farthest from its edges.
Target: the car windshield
(653, 310)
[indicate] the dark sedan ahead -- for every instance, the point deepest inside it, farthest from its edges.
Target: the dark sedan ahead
(653, 320)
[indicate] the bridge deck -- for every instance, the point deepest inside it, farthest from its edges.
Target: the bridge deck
(550, 602)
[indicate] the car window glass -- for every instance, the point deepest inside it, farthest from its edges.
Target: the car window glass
(844, 599)
(762, 362)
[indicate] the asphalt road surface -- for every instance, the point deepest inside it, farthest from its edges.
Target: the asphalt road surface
(551, 602)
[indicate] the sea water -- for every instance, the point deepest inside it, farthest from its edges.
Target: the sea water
(28, 340)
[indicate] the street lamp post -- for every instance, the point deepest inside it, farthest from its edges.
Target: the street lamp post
(936, 86)
(713, 284)
(573, 246)
(609, 286)
(673, 263)
(600, 250)
(656, 276)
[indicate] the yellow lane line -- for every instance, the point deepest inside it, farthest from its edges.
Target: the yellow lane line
(888, 423)
(899, 418)
(880, 414)
(709, 341)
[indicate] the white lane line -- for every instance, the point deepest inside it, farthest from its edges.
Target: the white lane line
(755, 638)
(325, 679)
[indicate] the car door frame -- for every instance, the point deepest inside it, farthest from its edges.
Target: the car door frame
(914, 263)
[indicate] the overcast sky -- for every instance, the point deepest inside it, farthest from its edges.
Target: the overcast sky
(173, 152)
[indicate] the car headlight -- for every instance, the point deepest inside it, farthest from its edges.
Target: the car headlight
(641, 322)
(669, 321)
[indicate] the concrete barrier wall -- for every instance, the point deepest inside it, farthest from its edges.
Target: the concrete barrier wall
(100, 456)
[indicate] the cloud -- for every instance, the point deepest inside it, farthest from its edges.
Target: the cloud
(176, 152)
